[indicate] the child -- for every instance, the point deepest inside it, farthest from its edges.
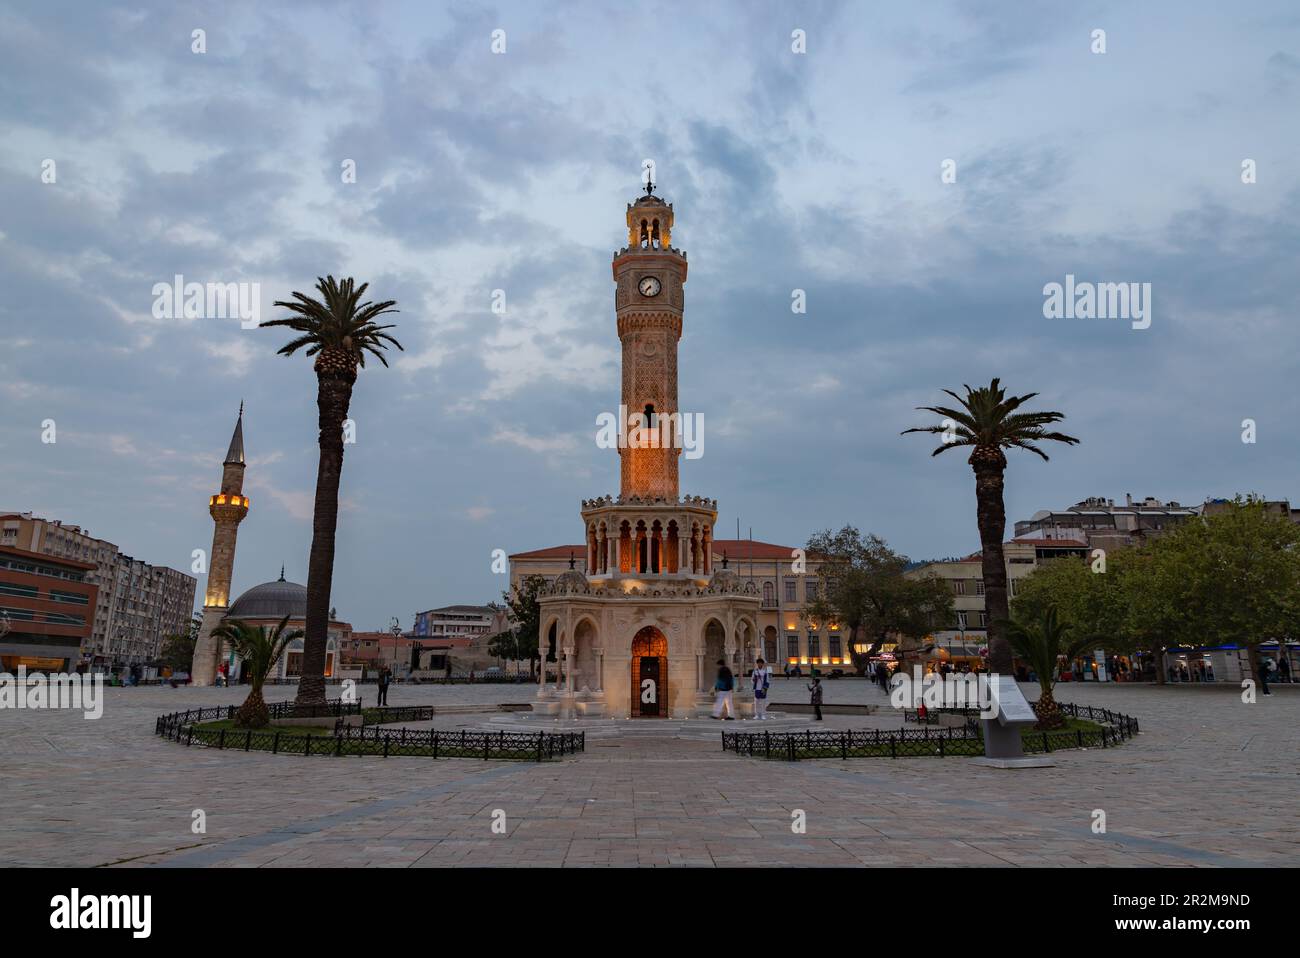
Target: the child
(816, 690)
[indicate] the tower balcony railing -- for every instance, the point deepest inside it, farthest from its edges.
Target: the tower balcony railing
(600, 502)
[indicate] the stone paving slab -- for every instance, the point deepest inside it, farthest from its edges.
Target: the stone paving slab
(1210, 782)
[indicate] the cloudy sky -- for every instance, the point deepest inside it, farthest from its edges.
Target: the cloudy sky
(478, 171)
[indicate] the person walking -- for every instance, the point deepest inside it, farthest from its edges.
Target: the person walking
(761, 677)
(815, 690)
(384, 678)
(723, 686)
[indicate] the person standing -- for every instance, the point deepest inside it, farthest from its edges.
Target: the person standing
(1263, 676)
(1284, 670)
(761, 677)
(384, 678)
(722, 688)
(815, 690)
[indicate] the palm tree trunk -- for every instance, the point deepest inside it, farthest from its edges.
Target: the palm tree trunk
(1048, 712)
(253, 713)
(333, 397)
(992, 519)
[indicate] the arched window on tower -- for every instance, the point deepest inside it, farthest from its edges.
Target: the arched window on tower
(645, 235)
(654, 234)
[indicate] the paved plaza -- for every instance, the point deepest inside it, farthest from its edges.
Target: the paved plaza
(1209, 782)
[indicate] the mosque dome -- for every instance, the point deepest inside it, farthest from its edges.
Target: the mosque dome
(271, 600)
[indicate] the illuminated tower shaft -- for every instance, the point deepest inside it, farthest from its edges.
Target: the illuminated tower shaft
(228, 509)
(649, 275)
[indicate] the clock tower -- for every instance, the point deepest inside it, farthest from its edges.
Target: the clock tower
(649, 274)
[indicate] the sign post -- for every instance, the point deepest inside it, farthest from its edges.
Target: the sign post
(1003, 747)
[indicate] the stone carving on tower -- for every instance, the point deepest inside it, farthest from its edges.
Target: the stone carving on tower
(227, 508)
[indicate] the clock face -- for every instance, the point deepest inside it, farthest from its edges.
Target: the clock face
(649, 286)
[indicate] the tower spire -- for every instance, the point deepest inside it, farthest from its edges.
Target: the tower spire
(236, 451)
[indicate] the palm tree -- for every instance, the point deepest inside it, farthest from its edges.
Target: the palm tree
(1041, 644)
(259, 652)
(988, 420)
(339, 332)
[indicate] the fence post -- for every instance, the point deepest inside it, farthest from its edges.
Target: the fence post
(487, 746)
(248, 739)
(189, 736)
(844, 746)
(1046, 746)
(338, 744)
(221, 739)
(767, 744)
(385, 745)
(941, 755)
(790, 745)
(893, 748)
(1079, 735)
(435, 744)
(541, 736)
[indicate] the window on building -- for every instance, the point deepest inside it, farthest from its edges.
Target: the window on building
(792, 646)
(810, 590)
(958, 586)
(789, 590)
(835, 645)
(979, 586)
(769, 594)
(814, 646)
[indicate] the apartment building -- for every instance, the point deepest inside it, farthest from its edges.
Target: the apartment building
(45, 611)
(137, 604)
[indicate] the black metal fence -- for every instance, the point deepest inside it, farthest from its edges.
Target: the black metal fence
(926, 742)
(290, 709)
(186, 728)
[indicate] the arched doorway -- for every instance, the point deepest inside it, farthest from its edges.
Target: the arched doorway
(649, 674)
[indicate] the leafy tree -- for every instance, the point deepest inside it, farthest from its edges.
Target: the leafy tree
(862, 588)
(1041, 643)
(177, 652)
(986, 419)
(1231, 577)
(521, 640)
(259, 651)
(338, 329)
(1093, 603)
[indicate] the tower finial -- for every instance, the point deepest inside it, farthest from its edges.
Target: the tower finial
(281, 571)
(235, 454)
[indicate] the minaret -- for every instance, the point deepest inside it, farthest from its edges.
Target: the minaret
(648, 302)
(228, 508)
